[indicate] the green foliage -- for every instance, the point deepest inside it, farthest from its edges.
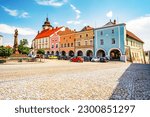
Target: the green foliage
(22, 48)
(5, 52)
(24, 42)
(40, 51)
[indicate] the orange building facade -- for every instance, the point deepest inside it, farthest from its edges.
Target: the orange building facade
(67, 42)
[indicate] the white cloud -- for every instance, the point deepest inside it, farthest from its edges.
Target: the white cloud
(109, 14)
(76, 11)
(16, 13)
(141, 27)
(24, 15)
(4, 28)
(10, 11)
(73, 22)
(55, 3)
(56, 23)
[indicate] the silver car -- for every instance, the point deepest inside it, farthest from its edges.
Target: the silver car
(95, 59)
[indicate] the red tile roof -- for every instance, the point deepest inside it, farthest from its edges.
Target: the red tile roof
(8, 46)
(47, 32)
(133, 36)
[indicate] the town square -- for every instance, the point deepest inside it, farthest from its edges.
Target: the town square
(59, 58)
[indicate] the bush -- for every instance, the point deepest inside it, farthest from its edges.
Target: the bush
(5, 52)
(2, 61)
(20, 60)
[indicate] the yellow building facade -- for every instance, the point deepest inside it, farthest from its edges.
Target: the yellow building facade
(84, 42)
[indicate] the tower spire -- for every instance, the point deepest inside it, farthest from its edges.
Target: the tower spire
(47, 17)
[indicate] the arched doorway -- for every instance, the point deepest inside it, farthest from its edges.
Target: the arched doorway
(57, 53)
(100, 53)
(48, 52)
(89, 53)
(63, 53)
(79, 53)
(71, 53)
(115, 54)
(52, 53)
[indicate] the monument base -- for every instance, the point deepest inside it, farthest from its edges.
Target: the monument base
(16, 52)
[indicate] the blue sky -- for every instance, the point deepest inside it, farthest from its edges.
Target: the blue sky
(29, 15)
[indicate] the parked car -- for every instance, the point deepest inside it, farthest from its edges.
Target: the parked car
(63, 58)
(39, 56)
(104, 59)
(53, 57)
(76, 59)
(95, 59)
(87, 58)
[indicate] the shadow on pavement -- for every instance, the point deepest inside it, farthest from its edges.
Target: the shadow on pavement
(134, 84)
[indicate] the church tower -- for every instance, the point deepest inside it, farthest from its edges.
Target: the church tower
(47, 25)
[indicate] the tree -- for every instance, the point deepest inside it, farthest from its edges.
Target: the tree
(40, 52)
(23, 48)
(24, 42)
(5, 52)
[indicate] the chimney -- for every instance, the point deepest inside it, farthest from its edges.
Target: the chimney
(38, 31)
(114, 21)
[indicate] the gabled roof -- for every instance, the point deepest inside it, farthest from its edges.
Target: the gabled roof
(110, 23)
(133, 36)
(86, 28)
(47, 32)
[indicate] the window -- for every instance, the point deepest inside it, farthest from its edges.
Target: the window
(91, 42)
(127, 42)
(78, 43)
(86, 35)
(102, 42)
(65, 45)
(101, 32)
(68, 44)
(70, 37)
(71, 44)
(86, 43)
(113, 31)
(62, 45)
(52, 45)
(113, 41)
(56, 45)
(80, 36)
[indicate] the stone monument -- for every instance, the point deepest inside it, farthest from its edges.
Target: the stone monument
(15, 47)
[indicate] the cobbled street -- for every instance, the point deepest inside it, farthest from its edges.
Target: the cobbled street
(64, 80)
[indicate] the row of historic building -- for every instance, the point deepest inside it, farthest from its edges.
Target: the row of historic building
(112, 40)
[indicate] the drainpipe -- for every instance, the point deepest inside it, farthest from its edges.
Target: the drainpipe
(93, 46)
(144, 56)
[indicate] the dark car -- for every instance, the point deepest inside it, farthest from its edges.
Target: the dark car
(64, 58)
(104, 59)
(87, 58)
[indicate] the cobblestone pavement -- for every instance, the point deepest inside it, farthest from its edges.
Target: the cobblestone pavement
(134, 84)
(64, 80)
